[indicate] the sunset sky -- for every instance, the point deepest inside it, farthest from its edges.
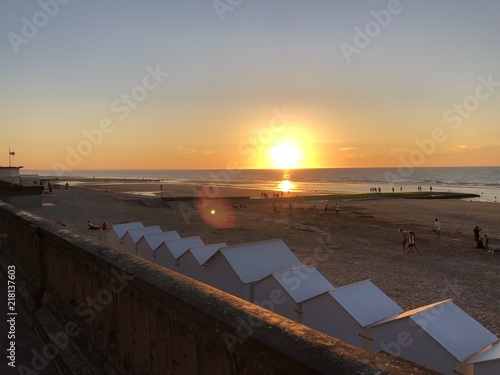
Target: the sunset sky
(197, 84)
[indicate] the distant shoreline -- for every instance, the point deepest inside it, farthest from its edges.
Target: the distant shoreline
(185, 191)
(184, 186)
(98, 179)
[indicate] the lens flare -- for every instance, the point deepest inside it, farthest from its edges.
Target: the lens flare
(215, 211)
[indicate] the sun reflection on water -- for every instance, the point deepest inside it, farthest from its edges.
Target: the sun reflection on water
(286, 186)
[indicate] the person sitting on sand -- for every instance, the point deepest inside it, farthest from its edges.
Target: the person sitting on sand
(92, 226)
(104, 226)
(480, 244)
(486, 242)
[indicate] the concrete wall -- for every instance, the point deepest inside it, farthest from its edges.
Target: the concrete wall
(23, 201)
(21, 196)
(110, 312)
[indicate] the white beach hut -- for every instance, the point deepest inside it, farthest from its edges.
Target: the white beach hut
(191, 262)
(283, 292)
(132, 236)
(117, 231)
(169, 251)
(487, 363)
(147, 245)
(344, 312)
(234, 269)
(441, 337)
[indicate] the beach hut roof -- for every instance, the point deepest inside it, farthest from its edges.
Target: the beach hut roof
(156, 239)
(311, 282)
(451, 327)
(203, 253)
(365, 302)
(121, 229)
(492, 354)
(256, 260)
(136, 234)
(179, 247)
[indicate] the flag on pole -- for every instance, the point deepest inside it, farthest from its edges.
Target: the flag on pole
(12, 153)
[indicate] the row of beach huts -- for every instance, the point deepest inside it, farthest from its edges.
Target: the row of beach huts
(440, 336)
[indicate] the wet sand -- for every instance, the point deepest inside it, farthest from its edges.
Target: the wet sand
(361, 242)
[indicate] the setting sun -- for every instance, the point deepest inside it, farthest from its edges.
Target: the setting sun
(285, 155)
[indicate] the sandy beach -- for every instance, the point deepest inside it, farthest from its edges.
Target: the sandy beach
(361, 242)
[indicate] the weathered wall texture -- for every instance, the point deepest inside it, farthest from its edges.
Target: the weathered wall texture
(105, 311)
(21, 196)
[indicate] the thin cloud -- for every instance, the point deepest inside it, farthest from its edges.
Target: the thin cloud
(186, 150)
(207, 152)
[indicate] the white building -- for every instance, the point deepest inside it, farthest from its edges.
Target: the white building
(169, 251)
(117, 231)
(283, 292)
(10, 174)
(132, 236)
(487, 363)
(441, 337)
(234, 269)
(345, 312)
(192, 261)
(29, 180)
(147, 245)
(24, 193)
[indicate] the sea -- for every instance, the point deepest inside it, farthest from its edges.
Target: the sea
(483, 181)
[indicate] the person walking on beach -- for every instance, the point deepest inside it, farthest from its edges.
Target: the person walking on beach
(403, 240)
(411, 242)
(437, 227)
(337, 208)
